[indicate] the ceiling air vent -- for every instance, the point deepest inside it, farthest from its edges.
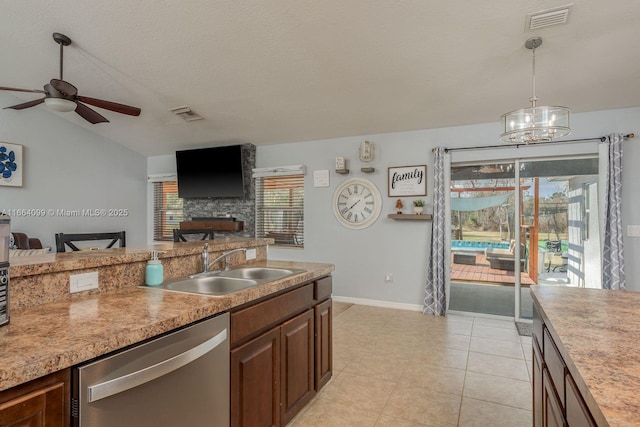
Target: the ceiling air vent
(186, 113)
(548, 17)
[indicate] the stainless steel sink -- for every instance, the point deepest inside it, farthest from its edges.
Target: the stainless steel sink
(259, 273)
(212, 285)
(228, 282)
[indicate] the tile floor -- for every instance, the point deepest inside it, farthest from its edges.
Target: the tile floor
(401, 368)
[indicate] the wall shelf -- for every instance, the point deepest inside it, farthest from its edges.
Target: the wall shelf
(423, 217)
(216, 225)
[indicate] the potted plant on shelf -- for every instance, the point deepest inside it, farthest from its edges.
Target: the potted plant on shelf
(418, 206)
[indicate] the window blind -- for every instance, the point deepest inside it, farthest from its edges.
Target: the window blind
(280, 209)
(167, 209)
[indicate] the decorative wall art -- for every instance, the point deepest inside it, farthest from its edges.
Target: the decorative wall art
(11, 164)
(407, 181)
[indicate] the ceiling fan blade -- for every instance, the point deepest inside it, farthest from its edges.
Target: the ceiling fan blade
(26, 104)
(113, 106)
(63, 87)
(89, 115)
(22, 90)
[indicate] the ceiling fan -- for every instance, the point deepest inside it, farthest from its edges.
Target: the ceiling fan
(60, 95)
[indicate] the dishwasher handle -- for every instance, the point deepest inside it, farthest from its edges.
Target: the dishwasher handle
(150, 373)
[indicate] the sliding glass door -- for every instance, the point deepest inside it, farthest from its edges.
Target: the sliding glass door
(563, 211)
(483, 204)
(518, 223)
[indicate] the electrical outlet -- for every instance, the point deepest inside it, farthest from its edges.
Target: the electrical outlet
(83, 282)
(250, 254)
(388, 278)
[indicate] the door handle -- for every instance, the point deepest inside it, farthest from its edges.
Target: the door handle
(150, 373)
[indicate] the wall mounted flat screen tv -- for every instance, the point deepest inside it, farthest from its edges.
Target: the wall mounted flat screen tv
(210, 172)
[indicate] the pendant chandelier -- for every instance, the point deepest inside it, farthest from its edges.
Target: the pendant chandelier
(535, 124)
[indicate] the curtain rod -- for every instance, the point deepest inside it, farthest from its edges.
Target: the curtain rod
(484, 147)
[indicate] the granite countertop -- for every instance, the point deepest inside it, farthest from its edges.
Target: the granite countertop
(598, 335)
(49, 337)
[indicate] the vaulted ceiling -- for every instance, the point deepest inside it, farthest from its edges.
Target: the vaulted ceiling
(276, 71)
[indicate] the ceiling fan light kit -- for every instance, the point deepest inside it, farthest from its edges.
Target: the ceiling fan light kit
(60, 104)
(535, 124)
(62, 96)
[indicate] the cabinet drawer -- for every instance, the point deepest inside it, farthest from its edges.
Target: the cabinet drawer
(537, 327)
(322, 289)
(578, 415)
(554, 363)
(250, 321)
(552, 409)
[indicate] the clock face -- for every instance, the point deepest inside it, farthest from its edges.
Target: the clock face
(357, 203)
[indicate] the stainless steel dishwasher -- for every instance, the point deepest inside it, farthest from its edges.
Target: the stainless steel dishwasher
(179, 379)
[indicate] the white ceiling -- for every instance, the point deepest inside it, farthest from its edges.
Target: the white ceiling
(275, 71)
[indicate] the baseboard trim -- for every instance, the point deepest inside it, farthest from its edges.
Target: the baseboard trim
(378, 303)
(483, 315)
(416, 307)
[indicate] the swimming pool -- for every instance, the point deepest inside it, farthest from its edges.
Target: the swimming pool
(472, 245)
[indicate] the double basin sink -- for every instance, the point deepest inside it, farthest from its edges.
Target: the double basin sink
(228, 282)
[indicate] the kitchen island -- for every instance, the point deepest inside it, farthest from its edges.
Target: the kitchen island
(52, 335)
(586, 344)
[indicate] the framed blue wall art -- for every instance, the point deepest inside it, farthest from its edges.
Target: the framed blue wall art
(11, 164)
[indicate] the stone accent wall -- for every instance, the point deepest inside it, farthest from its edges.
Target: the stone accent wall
(241, 209)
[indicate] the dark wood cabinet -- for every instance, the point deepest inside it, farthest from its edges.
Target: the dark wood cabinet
(42, 402)
(557, 400)
(551, 407)
(554, 364)
(537, 385)
(578, 414)
(255, 381)
(324, 343)
(297, 364)
(280, 354)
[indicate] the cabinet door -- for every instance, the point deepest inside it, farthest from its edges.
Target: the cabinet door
(552, 411)
(537, 386)
(578, 414)
(255, 382)
(44, 406)
(297, 364)
(324, 343)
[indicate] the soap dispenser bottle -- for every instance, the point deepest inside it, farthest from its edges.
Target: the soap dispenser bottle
(154, 274)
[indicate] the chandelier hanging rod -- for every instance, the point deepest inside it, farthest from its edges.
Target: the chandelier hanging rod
(568, 141)
(535, 124)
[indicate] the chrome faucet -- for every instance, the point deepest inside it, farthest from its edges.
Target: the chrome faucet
(205, 258)
(206, 265)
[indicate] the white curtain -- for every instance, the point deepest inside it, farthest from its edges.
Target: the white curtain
(613, 246)
(435, 301)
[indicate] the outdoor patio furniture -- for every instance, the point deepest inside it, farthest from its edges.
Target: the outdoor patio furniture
(502, 263)
(464, 258)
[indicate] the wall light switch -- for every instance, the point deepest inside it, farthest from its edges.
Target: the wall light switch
(251, 254)
(83, 282)
(633, 230)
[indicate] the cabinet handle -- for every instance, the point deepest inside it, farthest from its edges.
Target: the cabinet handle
(150, 373)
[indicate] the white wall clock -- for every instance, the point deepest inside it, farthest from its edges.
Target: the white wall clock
(357, 203)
